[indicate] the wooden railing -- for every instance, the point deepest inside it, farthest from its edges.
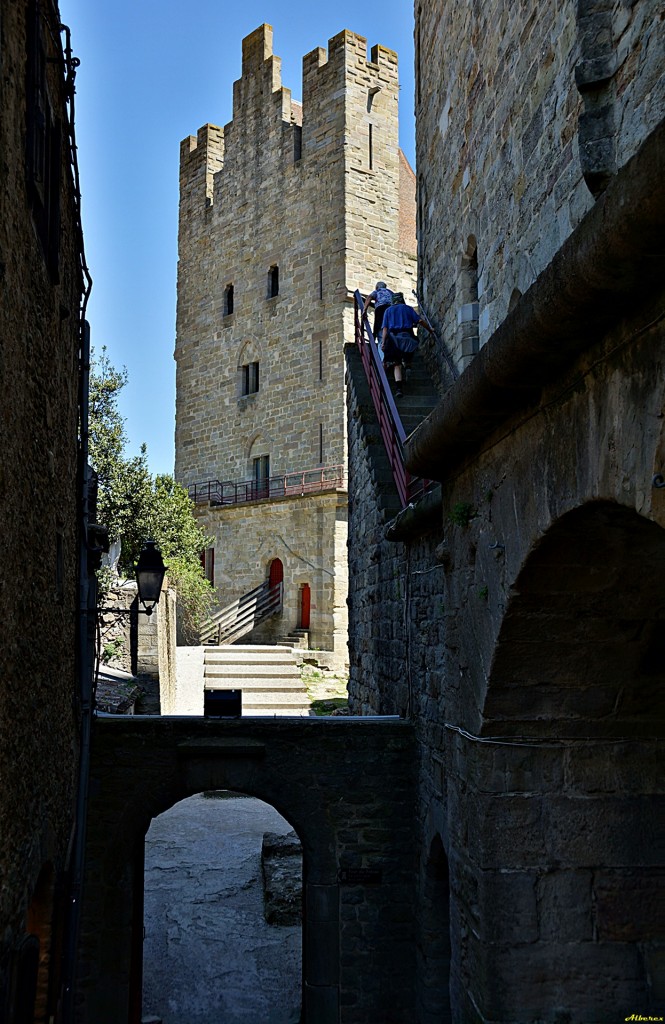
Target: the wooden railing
(226, 492)
(409, 488)
(242, 616)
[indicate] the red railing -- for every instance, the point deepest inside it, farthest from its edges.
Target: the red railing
(289, 485)
(409, 488)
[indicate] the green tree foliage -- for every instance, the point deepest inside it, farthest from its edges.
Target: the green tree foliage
(135, 507)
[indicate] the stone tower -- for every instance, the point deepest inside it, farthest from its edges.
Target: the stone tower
(284, 212)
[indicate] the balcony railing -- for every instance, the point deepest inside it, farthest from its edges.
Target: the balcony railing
(289, 485)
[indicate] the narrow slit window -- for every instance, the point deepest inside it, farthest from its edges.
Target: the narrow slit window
(321, 443)
(228, 300)
(321, 283)
(371, 147)
(297, 143)
(320, 358)
(273, 282)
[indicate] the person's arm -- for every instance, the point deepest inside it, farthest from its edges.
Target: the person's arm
(423, 323)
(367, 302)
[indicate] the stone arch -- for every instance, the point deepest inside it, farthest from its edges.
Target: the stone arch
(259, 444)
(249, 351)
(320, 781)
(515, 297)
(434, 946)
(574, 706)
(124, 869)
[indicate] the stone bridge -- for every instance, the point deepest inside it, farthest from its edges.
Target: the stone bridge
(517, 617)
(345, 785)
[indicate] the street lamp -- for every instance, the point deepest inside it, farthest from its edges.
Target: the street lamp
(150, 570)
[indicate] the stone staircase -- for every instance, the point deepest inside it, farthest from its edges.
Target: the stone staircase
(419, 395)
(268, 676)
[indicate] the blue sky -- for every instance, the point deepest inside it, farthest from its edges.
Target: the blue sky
(152, 72)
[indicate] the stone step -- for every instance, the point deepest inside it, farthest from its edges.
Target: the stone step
(251, 669)
(250, 659)
(261, 684)
(267, 674)
(251, 650)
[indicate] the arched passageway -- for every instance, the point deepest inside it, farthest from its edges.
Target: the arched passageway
(209, 952)
(574, 711)
(346, 786)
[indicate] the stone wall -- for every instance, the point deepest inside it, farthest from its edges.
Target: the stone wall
(520, 636)
(345, 786)
(523, 116)
(319, 191)
(40, 287)
(308, 535)
(142, 645)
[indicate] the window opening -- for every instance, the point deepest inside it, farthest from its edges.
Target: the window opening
(321, 443)
(228, 300)
(250, 378)
(273, 282)
(468, 312)
(320, 358)
(297, 143)
(371, 147)
(321, 282)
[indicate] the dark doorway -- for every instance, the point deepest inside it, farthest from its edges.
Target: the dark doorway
(276, 573)
(434, 941)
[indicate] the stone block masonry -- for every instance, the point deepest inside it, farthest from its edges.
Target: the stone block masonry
(284, 212)
(523, 118)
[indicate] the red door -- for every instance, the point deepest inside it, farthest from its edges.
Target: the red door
(305, 605)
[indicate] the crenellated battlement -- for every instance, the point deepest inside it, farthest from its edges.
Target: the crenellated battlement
(263, 108)
(201, 157)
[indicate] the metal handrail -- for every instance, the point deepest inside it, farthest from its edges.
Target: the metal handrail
(288, 485)
(243, 615)
(409, 488)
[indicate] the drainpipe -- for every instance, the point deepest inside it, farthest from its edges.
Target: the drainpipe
(84, 696)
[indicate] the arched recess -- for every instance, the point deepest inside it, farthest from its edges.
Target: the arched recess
(249, 352)
(275, 573)
(434, 948)
(577, 653)
(574, 708)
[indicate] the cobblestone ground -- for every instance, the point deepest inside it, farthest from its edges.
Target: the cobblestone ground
(209, 955)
